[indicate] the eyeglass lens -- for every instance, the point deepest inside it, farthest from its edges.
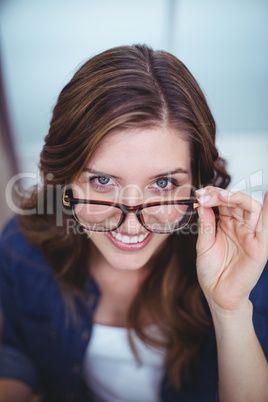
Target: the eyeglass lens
(160, 218)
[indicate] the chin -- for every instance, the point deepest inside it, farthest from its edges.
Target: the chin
(128, 263)
(123, 261)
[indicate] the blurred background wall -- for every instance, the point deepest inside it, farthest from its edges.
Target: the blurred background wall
(223, 43)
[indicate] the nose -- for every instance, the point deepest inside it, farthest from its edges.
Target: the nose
(131, 195)
(131, 225)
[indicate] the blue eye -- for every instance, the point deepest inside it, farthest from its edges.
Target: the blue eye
(103, 180)
(162, 183)
(101, 183)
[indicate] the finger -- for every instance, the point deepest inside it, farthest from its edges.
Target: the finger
(242, 207)
(262, 226)
(206, 230)
(215, 196)
(237, 205)
(238, 199)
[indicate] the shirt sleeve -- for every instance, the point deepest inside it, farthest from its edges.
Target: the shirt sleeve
(16, 365)
(259, 298)
(14, 362)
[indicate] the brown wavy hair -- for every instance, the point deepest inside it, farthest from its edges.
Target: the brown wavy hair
(121, 88)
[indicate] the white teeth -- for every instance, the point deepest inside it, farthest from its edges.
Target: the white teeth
(142, 237)
(134, 239)
(126, 239)
(129, 240)
(117, 236)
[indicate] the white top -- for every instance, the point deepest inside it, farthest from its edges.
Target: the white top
(112, 372)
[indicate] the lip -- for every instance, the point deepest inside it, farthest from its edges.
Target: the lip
(129, 247)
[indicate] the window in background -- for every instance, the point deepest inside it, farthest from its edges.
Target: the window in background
(224, 44)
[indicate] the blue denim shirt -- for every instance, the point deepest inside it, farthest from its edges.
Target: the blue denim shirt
(44, 347)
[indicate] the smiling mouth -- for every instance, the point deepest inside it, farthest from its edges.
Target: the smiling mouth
(129, 239)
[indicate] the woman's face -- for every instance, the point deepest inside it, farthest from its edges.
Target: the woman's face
(132, 167)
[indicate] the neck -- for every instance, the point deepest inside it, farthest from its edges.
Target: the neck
(118, 289)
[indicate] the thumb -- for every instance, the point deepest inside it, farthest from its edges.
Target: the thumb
(206, 230)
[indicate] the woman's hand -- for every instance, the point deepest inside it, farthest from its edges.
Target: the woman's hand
(231, 257)
(15, 391)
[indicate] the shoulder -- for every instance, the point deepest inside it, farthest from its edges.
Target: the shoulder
(14, 246)
(24, 270)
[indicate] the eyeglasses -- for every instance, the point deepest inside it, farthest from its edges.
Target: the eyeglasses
(158, 217)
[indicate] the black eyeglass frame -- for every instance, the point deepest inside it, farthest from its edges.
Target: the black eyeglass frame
(135, 209)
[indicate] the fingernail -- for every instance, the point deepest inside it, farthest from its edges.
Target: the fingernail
(226, 193)
(204, 199)
(201, 191)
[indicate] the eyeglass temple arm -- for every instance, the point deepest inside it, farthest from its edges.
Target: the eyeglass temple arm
(196, 204)
(65, 198)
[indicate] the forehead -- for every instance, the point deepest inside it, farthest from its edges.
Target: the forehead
(149, 149)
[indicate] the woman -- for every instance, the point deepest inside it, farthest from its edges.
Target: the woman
(112, 288)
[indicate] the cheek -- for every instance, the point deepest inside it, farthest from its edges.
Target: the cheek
(160, 241)
(96, 238)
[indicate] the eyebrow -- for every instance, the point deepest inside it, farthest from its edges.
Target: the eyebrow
(169, 173)
(98, 173)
